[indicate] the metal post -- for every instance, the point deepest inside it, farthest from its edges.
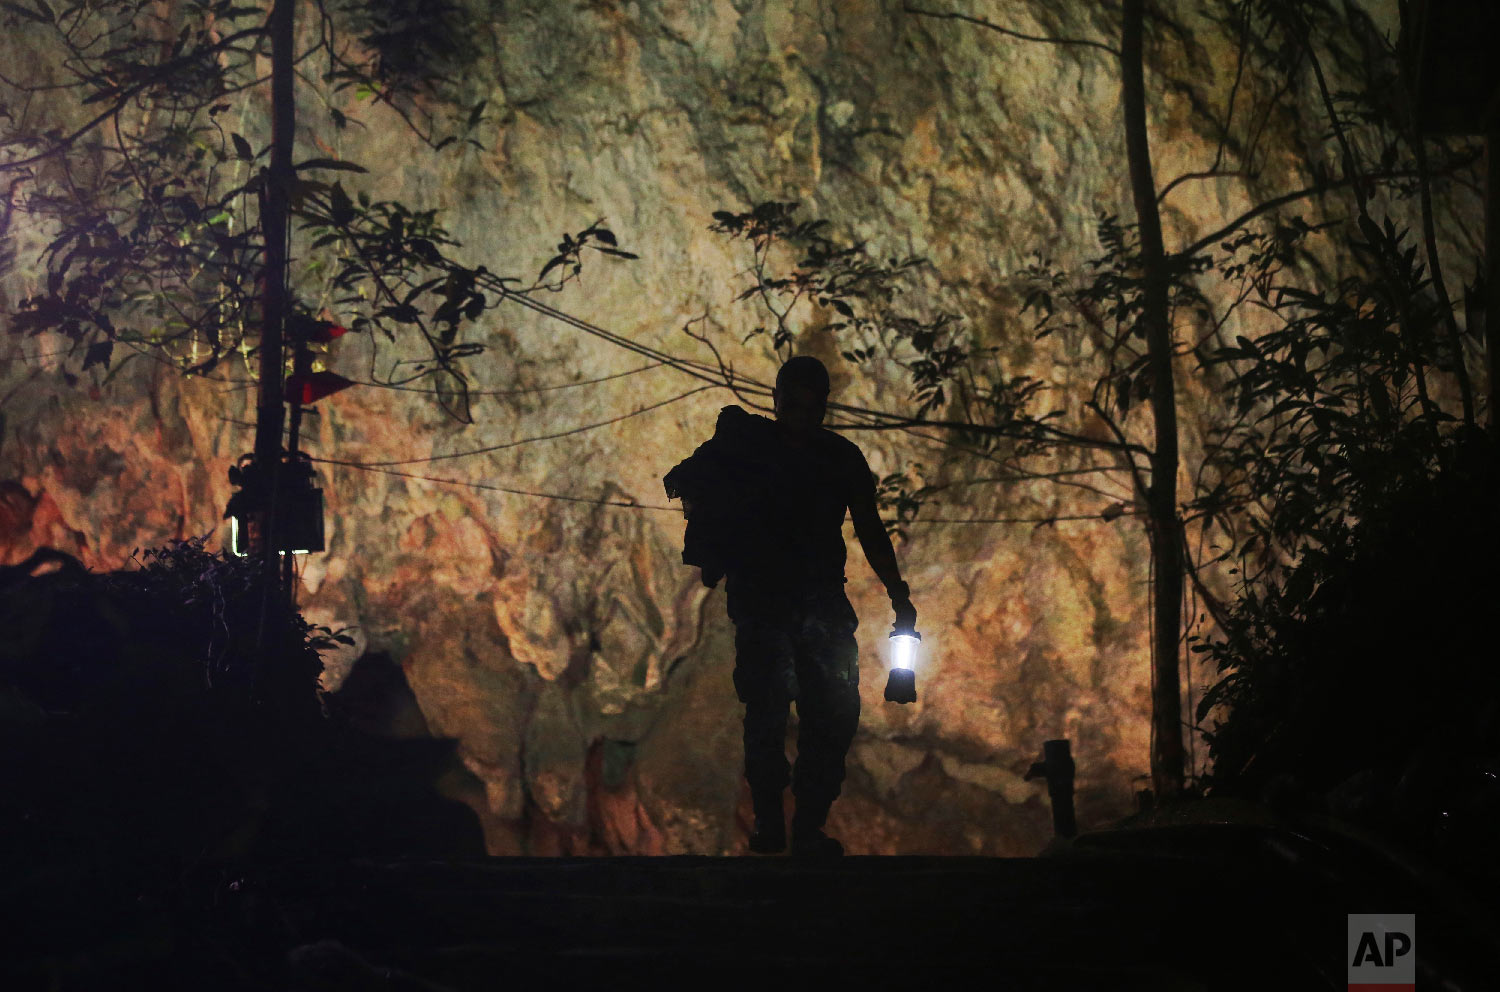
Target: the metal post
(1057, 768)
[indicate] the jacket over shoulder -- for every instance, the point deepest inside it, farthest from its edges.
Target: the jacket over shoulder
(724, 484)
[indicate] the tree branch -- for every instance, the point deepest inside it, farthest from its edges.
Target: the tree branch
(1281, 201)
(164, 70)
(1008, 32)
(1189, 176)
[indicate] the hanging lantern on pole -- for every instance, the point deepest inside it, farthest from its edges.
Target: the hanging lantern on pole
(299, 525)
(901, 684)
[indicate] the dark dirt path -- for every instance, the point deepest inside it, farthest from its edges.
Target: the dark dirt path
(1217, 907)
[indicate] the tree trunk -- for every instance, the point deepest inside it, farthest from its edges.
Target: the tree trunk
(1492, 267)
(1161, 497)
(274, 222)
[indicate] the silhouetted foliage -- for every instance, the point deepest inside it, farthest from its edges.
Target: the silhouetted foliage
(859, 290)
(1357, 661)
(417, 46)
(143, 745)
(153, 201)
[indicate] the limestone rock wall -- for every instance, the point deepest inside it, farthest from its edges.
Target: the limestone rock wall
(583, 668)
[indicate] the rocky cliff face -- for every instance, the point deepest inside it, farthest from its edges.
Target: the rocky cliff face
(583, 668)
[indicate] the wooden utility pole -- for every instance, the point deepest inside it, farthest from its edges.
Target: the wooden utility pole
(296, 331)
(275, 208)
(1161, 496)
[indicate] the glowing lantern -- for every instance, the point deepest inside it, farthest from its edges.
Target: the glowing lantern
(901, 685)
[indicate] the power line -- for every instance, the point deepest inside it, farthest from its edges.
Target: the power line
(136, 349)
(624, 504)
(514, 392)
(874, 419)
(1016, 520)
(524, 391)
(716, 375)
(633, 505)
(530, 440)
(698, 370)
(715, 378)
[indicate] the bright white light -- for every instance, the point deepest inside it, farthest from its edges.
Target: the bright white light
(903, 650)
(234, 540)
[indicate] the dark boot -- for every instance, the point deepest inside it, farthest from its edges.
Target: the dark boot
(769, 835)
(815, 845)
(808, 838)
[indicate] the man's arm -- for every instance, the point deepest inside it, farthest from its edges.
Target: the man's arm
(881, 555)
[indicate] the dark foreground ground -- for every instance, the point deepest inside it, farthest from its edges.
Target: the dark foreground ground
(1177, 907)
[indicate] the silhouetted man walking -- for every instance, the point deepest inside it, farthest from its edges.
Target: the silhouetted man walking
(765, 502)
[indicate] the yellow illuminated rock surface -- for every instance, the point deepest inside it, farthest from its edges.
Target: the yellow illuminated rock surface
(534, 631)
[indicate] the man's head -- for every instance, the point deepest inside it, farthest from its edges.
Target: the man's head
(801, 394)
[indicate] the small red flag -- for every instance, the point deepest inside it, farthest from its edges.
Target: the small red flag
(314, 329)
(314, 386)
(324, 331)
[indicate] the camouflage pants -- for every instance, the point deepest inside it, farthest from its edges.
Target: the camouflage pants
(804, 652)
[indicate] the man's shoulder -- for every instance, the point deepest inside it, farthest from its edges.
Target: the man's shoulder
(849, 462)
(840, 447)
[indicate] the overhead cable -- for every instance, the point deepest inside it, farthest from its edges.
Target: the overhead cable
(531, 440)
(516, 392)
(633, 505)
(624, 504)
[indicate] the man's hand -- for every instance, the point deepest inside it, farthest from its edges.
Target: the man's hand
(906, 616)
